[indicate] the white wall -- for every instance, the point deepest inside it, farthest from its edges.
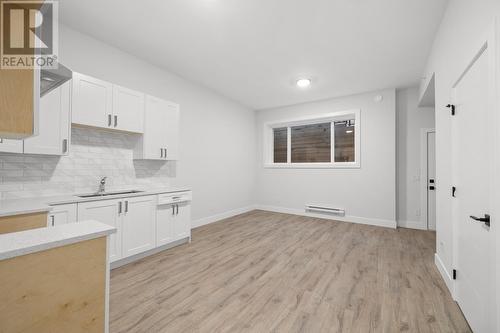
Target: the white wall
(464, 23)
(368, 194)
(410, 120)
(217, 135)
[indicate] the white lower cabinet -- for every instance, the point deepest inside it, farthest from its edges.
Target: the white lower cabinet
(138, 225)
(108, 212)
(173, 222)
(141, 223)
(62, 214)
(165, 224)
(182, 221)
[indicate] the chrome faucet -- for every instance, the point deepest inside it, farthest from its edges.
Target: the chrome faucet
(102, 185)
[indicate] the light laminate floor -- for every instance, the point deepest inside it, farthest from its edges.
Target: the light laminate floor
(269, 272)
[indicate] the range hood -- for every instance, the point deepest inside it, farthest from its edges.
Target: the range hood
(50, 79)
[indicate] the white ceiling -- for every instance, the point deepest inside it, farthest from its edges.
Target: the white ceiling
(253, 51)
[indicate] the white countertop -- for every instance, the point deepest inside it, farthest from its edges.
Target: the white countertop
(43, 204)
(30, 241)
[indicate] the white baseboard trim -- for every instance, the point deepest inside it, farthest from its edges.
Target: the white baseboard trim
(353, 219)
(448, 280)
(217, 217)
(412, 225)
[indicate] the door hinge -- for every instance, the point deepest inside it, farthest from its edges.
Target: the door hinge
(454, 274)
(453, 191)
(452, 107)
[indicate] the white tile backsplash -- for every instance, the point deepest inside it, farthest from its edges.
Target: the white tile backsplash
(93, 154)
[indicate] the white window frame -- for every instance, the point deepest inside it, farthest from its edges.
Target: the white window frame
(319, 119)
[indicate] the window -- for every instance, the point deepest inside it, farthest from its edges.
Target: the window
(280, 143)
(330, 140)
(311, 143)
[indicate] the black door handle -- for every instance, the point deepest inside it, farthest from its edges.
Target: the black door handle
(432, 188)
(486, 219)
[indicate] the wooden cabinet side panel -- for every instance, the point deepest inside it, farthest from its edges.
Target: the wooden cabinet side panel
(22, 222)
(58, 290)
(16, 103)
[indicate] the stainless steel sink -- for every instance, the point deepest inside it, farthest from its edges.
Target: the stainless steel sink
(105, 194)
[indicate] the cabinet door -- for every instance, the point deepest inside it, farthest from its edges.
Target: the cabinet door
(139, 225)
(128, 110)
(105, 211)
(171, 132)
(165, 216)
(92, 101)
(62, 214)
(11, 146)
(155, 140)
(182, 223)
(54, 124)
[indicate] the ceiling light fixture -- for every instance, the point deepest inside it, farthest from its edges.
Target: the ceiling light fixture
(303, 83)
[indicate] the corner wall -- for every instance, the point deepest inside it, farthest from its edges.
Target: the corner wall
(410, 120)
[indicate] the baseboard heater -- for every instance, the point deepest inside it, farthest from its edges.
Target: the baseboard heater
(325, 210)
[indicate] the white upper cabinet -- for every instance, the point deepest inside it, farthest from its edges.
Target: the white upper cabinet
(161, 131)
(92, 101)
(128, 110)
(102, 104)
(54, 124)
(11, 146)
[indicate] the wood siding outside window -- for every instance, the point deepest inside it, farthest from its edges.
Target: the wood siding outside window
(280, 145)
(311, 143)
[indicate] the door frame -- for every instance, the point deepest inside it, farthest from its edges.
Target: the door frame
(491, 42)
(424, 214)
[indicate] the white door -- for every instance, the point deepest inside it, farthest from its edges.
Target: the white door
(11, 146)
(128, 110)
(139, 225)
(62, 214)
(182, 220)
(156, 119)
(473, 177)
(92, 101)
(108, 212)
(172, 132)
(431, 180)
(54, 124)
(165, 217)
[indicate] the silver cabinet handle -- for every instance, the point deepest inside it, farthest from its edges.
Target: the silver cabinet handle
(52, 221)
(120, 207)
(65, 145)
(116, 120)
(173, 209)
(177, 212)
(165, 152)
(109, 119)
(161, 152)
(126, 206)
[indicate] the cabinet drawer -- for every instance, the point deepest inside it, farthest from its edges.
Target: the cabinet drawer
(168, 198)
